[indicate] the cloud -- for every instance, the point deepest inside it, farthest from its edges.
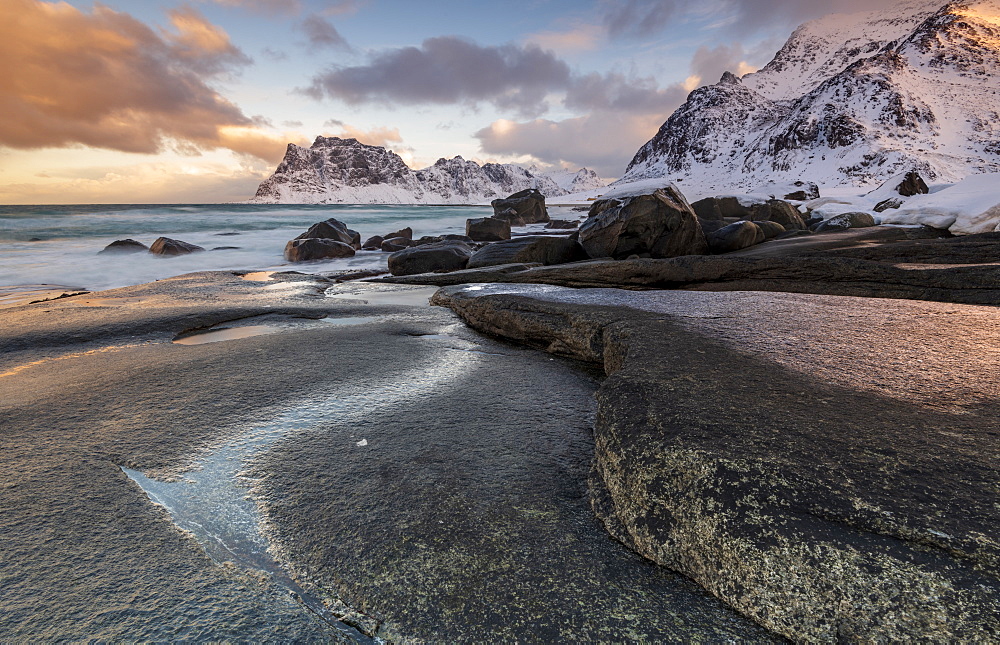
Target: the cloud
(628, 18)
(106, 80)
(616, 92)
(294, 7)
(384, 137)
(152, 182)
(603, 141)
(643, 18)
(581, 38)
(322, 34)
(450, 70)
(623, 112)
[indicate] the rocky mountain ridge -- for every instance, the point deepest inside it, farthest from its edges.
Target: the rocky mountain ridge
(335, 170)
(847, 100)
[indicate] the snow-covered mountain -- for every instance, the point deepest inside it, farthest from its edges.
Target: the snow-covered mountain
(345, 171)
(849, 99)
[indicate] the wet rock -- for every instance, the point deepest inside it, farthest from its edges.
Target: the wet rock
(373, 243)
(661, 223)
(396, 244)
(521, 208)
(562, 224)
(124, 247)
(830, 519)
(170, 247)
(780, 211)
(535, 249)
(734, 237)
(487, 229)
(406, 233)
(316, 248)
(845, 221)
(333, 229)
(912, 184)
(429, 258)
(226, 248)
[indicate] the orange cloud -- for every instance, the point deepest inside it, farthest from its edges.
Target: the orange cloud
(106, 80)
(375, 137)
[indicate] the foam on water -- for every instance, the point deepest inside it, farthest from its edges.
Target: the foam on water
(67, 238)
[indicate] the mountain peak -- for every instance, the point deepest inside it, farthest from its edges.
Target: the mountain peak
(728, 78)
(848, 99)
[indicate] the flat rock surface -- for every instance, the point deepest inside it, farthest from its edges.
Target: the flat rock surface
(826, 465)
(432, 479)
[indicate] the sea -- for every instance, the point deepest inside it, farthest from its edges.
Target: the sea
(56, 247)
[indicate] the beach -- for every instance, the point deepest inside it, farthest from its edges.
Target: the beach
(458, 510)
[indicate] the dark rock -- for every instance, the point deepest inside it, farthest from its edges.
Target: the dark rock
(487, 229)
(226, 248)
(38, 239)
(732, 207)
(124, 247)
(227, 234)
(770, 229)
(856, 262)
(734, 237)
(373, 243)
(562, 224)
(406, 233)
(912, 184)
(316, 248)
(806, 190)
(813, 221)
(661, 223)
(396, 244)
(429, 258)
(845, 221)
(456, 237)
(709, 226)
(170, 247)
(780, 211)
(853, 513)
(708, 209)
(536, 249)
(884, 205)
(521, 208)
(332, 229)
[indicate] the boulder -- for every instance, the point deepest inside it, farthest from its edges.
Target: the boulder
(661, 223)
(394, 244)
(708, 209)
(734, 237)
(780, 211)
(332, 229)
(886, 204)
(373, 243)
(406, 233)
(539, 249)
(487, 229)
(170, 247)
(316, 248)
(804, 191)
(522, 208)
(562, 224)
(846, 221)
(912, 184)
(124, 247)
(429, 258)
(770, 229)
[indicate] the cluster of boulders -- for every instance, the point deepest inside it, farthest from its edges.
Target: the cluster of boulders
(163, 246)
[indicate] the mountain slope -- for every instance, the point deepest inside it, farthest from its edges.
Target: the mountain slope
(345, 171)
(847, 100)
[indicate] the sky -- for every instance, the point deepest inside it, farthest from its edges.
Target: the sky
(146, 101)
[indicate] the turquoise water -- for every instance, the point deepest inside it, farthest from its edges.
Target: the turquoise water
(59, 244)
